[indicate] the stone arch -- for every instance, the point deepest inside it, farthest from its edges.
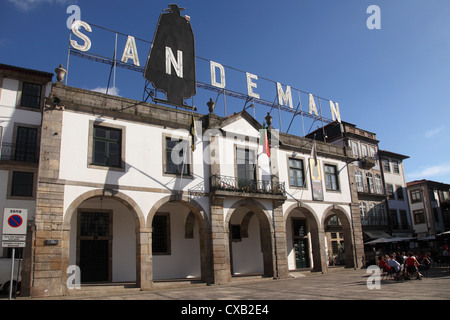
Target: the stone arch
(266, 229)
(317, 234)
(196, 213)
(347, 230)
(140, 229)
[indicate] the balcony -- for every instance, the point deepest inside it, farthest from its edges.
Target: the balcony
(367, 162)
(370, 190)
(19, 153)
(241, 186)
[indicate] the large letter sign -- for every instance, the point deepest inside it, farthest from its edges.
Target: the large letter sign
(76, 31)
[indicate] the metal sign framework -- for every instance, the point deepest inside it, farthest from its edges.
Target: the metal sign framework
(249, 102)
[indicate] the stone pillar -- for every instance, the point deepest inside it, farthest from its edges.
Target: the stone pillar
(144, 269)
(279, 236)
(220, 243)
(48, 268)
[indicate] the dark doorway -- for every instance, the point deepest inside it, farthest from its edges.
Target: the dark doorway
(94, 250)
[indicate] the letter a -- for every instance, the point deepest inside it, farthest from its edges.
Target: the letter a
(312, 105)
(130, 51)
(374, 21)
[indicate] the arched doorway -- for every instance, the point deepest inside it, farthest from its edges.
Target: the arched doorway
(179, 240)
(303, 240)
(101, 234)
(250, 239)
(338, 233)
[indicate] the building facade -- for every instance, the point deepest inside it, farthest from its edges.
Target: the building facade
(125, 193)
(397, 199)
(430, 207)
(22, 95)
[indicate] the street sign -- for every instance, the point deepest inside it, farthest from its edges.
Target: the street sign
(15, 221)
(14, 228)
(14, 237)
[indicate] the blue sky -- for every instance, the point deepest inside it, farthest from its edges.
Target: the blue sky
(392, 81)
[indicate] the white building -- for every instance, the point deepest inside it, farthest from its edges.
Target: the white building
(118, 197)
(397, 198)
(22, 95)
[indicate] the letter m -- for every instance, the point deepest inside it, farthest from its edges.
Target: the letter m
(176, 63)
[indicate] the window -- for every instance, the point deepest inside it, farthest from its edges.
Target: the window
(399, 192)
(246, 168)
(363, 213)
(395, 167)
(359, 181)
(107, 147)
(386, 166)
(177, 157)
(355, 149)
(296, 173)
(364, 150)
(26, 144)
(31, 95)
(419, 216)
(369, 178)
(378, 184)
(331, 177)
(94, 224)
(161, 234)
(394, 219)
(390, 191)
(22, 184)
(403, 219)
(415, 195)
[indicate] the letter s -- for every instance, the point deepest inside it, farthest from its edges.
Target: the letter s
(76, 31)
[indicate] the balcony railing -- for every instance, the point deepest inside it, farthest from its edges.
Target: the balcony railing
(21, 153)
(364, 188)
(233, 184)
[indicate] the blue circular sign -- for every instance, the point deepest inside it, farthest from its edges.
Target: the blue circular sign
(15, 221)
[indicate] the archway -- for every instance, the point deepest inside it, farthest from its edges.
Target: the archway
(338, 232)
(179, 240)
(304, 240)
(101, 235)
(250, 239)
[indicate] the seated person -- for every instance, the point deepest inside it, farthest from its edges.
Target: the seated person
(383, 265)
(426, 262)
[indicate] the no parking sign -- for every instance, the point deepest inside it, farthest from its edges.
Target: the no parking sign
(14, 227)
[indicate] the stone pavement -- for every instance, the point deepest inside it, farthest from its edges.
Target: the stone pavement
(345, 284)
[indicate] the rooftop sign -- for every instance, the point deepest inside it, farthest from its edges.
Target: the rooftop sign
(171, 68)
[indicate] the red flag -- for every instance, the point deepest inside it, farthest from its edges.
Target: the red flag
(264, 141)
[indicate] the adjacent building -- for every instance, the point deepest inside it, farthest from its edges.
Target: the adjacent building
(397, 199)
(430, 207)
(22, 96)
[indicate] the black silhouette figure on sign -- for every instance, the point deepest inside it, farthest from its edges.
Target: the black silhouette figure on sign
(171, 62)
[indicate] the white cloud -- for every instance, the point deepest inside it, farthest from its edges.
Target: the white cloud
(430, 172)
(433, 132)
(27, 5)
(112, 91)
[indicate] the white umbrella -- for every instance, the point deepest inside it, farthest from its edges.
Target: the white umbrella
(443, 233)
(379, 240)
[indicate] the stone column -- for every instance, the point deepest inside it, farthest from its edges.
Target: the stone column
(144, 270)
(220, 243)
(279, 236)
(48, 268)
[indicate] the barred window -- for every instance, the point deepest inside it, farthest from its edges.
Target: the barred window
(22, 184)
(31, 95)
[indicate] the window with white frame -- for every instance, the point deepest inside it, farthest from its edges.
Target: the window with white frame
(359, 181)
(378, 184)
